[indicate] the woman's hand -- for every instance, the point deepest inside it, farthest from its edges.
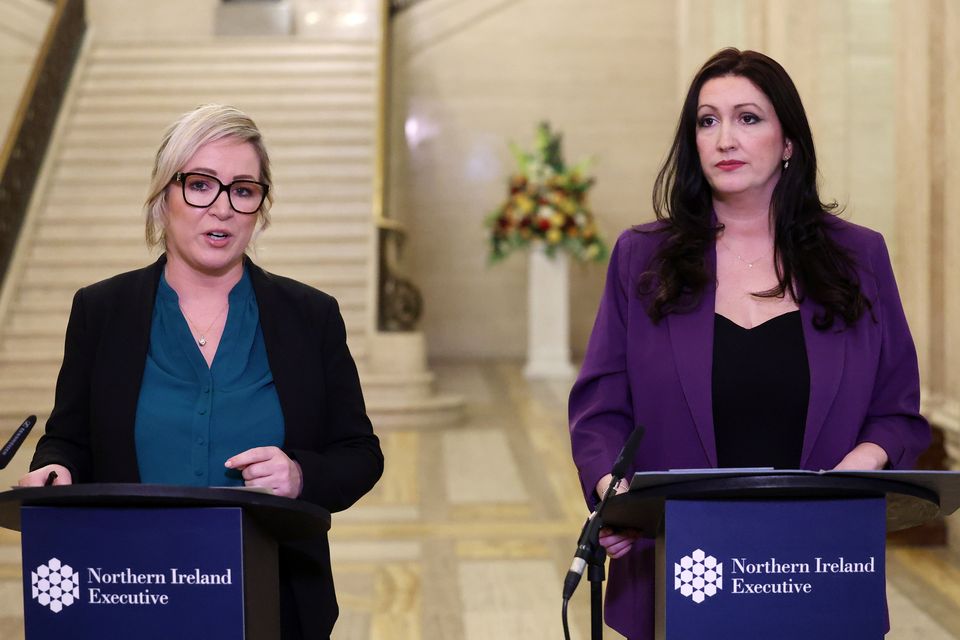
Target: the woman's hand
(617, 542)
(38, 477)
(605, 482)
(268, 467)
(866, 456)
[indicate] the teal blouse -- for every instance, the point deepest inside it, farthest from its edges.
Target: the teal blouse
(191, 417)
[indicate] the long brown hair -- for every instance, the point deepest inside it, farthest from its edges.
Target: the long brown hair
(808, 262)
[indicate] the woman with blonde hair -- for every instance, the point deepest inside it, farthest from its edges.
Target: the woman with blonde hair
(202, 369)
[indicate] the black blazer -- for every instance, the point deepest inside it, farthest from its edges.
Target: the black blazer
(327, 431)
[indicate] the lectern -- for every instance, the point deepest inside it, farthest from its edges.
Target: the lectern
(153, 561)
(774, 554)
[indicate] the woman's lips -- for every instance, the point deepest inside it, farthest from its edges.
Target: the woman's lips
(729, 165)
(217, 238)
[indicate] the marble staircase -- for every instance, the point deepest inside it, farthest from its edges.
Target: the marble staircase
(316, 103)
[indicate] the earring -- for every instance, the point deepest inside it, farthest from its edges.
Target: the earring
(786, 163)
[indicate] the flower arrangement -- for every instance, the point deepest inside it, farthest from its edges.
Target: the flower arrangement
(547, 203)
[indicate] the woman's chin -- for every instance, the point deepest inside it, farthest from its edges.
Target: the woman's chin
(210, 263)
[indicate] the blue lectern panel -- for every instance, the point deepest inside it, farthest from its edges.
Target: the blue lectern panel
(132, 573)
(786, 570)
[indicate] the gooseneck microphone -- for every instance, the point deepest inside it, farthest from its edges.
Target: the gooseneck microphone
(9, 449)
(591, 528)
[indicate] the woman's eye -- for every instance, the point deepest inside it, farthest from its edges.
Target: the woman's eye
(244, 191)
(749, 118)
(199, 185)
(706, 121)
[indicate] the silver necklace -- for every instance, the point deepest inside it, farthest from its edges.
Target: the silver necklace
(749, 263)
(202, 340)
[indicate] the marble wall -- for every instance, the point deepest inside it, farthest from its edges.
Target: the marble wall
(23, 24)
(927, 152)
(469, 76)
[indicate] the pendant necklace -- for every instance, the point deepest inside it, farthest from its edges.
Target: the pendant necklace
(749, 263)
(202, 340)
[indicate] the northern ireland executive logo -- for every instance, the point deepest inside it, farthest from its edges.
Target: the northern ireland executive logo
(698, 576)
(55, 585)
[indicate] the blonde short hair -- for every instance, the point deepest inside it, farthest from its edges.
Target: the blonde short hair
(207, 123)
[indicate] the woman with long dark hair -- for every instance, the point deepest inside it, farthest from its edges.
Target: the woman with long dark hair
(748, 326)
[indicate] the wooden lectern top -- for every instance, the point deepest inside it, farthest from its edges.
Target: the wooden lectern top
(912, 499)
(284, 518)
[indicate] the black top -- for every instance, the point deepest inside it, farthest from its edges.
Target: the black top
(761, 387)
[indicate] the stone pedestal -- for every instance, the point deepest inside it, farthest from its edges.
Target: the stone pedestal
(548, 316)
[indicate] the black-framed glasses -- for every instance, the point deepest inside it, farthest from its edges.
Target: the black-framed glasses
(201, 190)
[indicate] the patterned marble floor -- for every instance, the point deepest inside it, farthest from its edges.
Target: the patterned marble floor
(469, 532)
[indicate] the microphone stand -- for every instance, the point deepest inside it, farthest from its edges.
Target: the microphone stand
(590, 554)
(596, 576)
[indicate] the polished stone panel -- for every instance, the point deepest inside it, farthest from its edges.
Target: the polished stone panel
(481, 468)
(507, 599)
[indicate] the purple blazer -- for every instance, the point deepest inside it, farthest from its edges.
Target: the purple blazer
(864, 387)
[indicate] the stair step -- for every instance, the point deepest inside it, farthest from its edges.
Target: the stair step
(31, 349)
(421, 413)
(16, 402)
(41, 376)
(79, 175)
(95, 158)
(395, 388)
(128, 257)
(262, 48)
(385, 413)
(199, 89)
(55, 324)
(286, 191)
(159, 120)
(329, 278)
(278, 138)
(45, 335)
(282, 210)
(59, 301)
(251, 97)
(243, 69)
(322, 232)
(45, 350)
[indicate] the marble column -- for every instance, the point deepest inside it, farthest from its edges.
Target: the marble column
(548, 316)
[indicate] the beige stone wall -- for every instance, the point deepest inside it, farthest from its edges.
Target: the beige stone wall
(23, 24)
(478, 74)
(927, 181)
(611, 74)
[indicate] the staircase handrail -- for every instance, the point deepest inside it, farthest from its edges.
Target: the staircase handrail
(399, 302)
(21, 157)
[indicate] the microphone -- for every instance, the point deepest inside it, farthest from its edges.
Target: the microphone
(13, 444)
(591, 527)
(626, 454)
